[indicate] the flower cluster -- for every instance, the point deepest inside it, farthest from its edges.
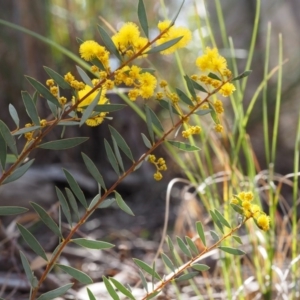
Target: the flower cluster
(211, 62)
(172, 33)
(90, 50)
(191, 130)
(143, 83)
(128, 40)
(250, 210)
(160, 165)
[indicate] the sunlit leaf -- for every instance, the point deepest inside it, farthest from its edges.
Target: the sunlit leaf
(89, 110)
(142, 15)
(183, 247)
(164, 46)
(92, 244)
(184, 146)
(90, 294)
(109, 43)
(9, 139)
(121, 288)
(30, 108)
(57, 78)
(75, 188)
(222, 219)
(146, 268)
(244, 74)
(18, 172)
(216, 220)
(44, 216)
(63, 144)
(192, 245)
(237, 239)
(43, 91)
(64, 205)
(168, 262)
(146, 141)
(14, 115)
(111, 157)
(55, 293)
(200, 232)
(110, 289)
(200, 267)
(78, 275)
(187, 276)
(122, 204)
(121, 142)
(32, 242)
(93, 170)
(232, 250)
(183, 97)
(12, 210)
(29, 274)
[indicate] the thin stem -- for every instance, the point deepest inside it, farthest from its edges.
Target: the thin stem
(160, 285)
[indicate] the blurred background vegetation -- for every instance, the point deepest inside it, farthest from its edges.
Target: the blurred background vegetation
(63, 20)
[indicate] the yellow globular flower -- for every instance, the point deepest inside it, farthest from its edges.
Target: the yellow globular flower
(159, 95)
(28, 136)
(157, 176)
(128, 33)
(218, 128)
(263, 222)
(50, 82)
(109, 84)
(219, 106)
(77, 85)
(227, 89)
(163, 84)
(69, 77)
(173, 33)
(133, 94)
(62, 100)
(211, 60)
(43, 123)
(151, 158)
(54, 90)
(95, 69)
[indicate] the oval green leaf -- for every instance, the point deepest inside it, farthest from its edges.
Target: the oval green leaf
(92, 244)
(32, 242)
(63, 144)
(164, 46)
(184, 146)
(44, 216)
(8, 137)
(18, 172)
(200, 232)
(30, 108)
(187, 276)
(200, 267)
(121, 203)
(55, 293)
(43, 91)
(12, 210)
(233, 251)
(142, 15)
(146, 268)
(78, 275)
(122, 288)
